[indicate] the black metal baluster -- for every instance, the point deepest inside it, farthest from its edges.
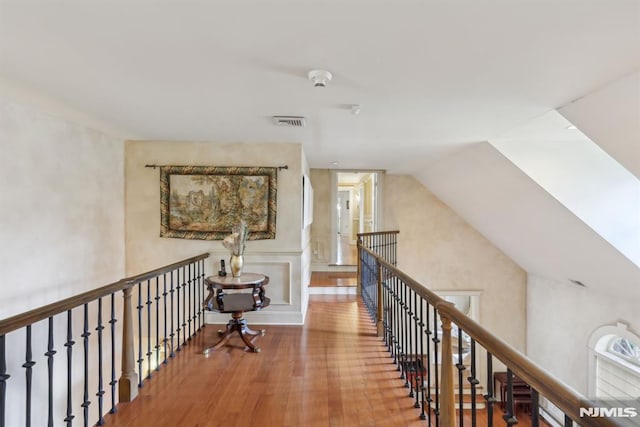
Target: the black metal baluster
(3, 380)
(388, 285)
(489, 397)
(200, 295)
(473, 380)
(392, 325)
(189, 305)
(385, 313)
(69, 344)
(429, 332)
(164, 304)
(535, 408)
(396, 322)
(461, 368)
(195, 299)
(410, 354)
(85, 395)
(171, 335)
(148, 303)
(113, 382)
(178, 308)
(140, 358)
(194, 282)
(436, 391)
(404, 335)
(184, 307)
(157, 346)
(423, 416)
(100, 393)
(510, 417)
(49, 354)
(418, 353)
(28, 365)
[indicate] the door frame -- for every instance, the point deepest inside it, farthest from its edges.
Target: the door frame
(378, 209)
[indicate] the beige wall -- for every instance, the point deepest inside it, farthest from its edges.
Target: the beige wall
(62, 233)
(440, 250)
(281, 258)
(321, 227)
(62, 209)
(573, 313)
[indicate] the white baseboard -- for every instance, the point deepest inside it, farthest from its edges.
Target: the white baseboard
(333, 267)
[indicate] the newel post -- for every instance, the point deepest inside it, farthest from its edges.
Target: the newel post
(379, 300)
(128, 382)
(447, 403)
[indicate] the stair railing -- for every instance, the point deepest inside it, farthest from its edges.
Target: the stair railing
(168, 304)
(421, 330)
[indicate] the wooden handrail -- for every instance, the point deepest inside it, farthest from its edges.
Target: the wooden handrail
(557, 392)
(425, 293)
(377, 233)
(167, 268)
(560, 394)
(30, 317)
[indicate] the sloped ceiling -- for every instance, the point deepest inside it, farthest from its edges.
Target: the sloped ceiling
(611, 117)
(430, 76)
(433, 78)
(523, 220)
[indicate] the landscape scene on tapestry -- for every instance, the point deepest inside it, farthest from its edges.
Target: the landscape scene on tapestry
(218, 202)
(206, 202)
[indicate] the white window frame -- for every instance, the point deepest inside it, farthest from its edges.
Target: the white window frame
(599, 347)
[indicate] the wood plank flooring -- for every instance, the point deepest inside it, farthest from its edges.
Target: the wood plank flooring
(321, 279)
(347, 253)
(333, 371)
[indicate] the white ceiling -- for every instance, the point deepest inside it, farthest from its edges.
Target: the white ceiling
(434, 78)
(431, 76)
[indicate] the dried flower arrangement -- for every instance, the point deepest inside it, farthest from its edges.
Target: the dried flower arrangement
(235, 241)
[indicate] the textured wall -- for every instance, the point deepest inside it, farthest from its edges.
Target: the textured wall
(62, 233)
(61, 208)
(321, 227)
(280, 257)
(573, 313)
(440, 250)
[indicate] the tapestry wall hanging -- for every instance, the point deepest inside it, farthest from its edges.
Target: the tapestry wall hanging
(205, 202)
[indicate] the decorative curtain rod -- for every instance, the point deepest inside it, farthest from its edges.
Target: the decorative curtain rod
(159, 166)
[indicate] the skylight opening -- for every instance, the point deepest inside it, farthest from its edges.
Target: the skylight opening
(581, 176)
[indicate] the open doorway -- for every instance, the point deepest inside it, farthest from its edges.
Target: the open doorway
(356, 197)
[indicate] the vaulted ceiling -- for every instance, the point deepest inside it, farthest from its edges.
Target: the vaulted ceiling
(434, 80)
(430, 76)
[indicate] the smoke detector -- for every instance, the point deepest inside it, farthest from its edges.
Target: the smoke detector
(319, 78)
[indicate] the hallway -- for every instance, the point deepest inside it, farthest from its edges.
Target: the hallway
(333, 371)
(346, 252)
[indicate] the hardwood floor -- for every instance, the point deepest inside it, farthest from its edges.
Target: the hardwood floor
(333, 279)
(347, 253)
(333, 371)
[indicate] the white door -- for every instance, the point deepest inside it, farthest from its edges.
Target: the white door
(344, 214)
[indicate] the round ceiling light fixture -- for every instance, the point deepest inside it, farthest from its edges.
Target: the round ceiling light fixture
(320, 78)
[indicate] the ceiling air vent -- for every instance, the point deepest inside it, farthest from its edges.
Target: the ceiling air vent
(577, 282)
(291, 121)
